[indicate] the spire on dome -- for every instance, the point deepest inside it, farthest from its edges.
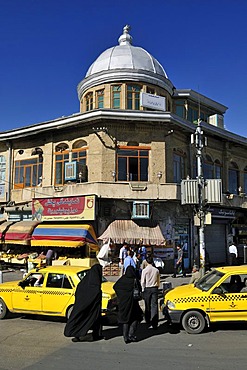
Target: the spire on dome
(125, 38)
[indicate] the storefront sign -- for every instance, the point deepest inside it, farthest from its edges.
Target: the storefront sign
(223, 212)
(65, 209)
(151, 101)
(2, 191)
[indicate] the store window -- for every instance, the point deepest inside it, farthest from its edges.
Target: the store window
(245, 180)
(133, 97)
(178, 166)
(89, 101)
(233, 178)
(2, 169)
(208, 168)
(116, 92)
(100, 98)
(28, 172)
(132, 164)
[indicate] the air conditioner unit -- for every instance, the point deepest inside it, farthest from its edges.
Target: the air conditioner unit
(140, 209)
(216, 120)
(75, 171)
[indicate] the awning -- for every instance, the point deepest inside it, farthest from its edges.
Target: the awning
(3, 227)
(20, 232)
(64, 235)
(128, 231)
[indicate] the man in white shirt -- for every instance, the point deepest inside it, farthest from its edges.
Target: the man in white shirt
(233, 255)
(122, 255)
(150, 282)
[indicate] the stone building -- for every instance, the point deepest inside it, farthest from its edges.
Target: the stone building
(127, 151)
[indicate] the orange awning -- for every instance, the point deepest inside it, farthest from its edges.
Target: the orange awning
(20, 232)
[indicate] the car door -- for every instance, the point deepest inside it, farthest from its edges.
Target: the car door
(231, 304)
(57, 294)
(28, 298)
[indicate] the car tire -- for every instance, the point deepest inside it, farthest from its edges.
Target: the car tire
(3, 309)
(193, 322)
(68, 313)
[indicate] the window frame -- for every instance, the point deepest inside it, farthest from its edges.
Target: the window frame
(131, 160)
(29, 168)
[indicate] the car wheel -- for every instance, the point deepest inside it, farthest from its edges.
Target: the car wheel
(69, 310)
(193, 322)
(3, 309)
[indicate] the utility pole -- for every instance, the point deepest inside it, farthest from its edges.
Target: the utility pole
(201, 208)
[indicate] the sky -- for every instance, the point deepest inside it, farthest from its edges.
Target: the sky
(47, 46)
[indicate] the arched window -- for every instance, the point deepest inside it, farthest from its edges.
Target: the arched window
(233, 178)
(217, 169)
(79, 152)
(245, 180)
(208, 167)
(178, 166)
(61, 157)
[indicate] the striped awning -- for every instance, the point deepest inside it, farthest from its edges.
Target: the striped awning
(3, 228)
(120, 231)
(20, 232)
(64, 235)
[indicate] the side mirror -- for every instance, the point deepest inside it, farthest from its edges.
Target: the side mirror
(218, 290)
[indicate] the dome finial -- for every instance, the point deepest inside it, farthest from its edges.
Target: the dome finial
(125, 38)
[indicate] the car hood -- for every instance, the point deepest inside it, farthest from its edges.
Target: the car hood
(9, 284)
(182, 291)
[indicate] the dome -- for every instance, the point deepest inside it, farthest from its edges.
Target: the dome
(125, 62)
(126, 56)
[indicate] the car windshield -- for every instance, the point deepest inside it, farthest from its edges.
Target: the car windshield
(83, 273)
(207, 281)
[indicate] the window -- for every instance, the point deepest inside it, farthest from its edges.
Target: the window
(60, 159)
(100, 99)
(58, 281)
(116, 91)
(89, 101)
(245, 180)
(208, 168)
(178, 167)
(2, 169)
(217, 169)
(133, 97)
(28, 172)
(132, 164)
(233, 178)
(180, 108)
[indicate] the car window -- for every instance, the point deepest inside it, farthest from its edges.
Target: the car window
(235, 283)
(83, 273)
(35, 279)
(58, 281)
(210, 279)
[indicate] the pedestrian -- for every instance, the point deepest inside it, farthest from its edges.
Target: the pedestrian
(86, 313)
(129, 311)
(178, 264)
(233, 255)
(129, 261)
(195, 275)
(150, 282)
(122, 255)
(49, 257)
(142, 250)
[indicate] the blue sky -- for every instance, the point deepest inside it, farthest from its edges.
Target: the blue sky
(46, 47)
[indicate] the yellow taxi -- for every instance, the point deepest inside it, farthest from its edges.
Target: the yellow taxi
(220, 295)
(50, 291)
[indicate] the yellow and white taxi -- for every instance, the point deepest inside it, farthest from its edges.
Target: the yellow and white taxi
(220, 295)
(50, 291)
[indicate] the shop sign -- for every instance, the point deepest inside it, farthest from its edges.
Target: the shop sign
(153, 101)
(64, 208)
(223, 212)
(2, 191)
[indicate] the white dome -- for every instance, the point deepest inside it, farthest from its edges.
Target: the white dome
(125, 62)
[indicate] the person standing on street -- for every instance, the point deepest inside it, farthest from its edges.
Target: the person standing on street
(129, 311)
(179, 262)
(129, 261)
(150, 282)
(233, 255)
(122, 255)
(86, 313)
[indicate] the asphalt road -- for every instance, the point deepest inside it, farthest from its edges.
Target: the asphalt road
(35, 343)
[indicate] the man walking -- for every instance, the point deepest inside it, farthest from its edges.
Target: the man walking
(150, 282)
(233, 255)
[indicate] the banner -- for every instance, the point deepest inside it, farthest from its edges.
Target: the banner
(64, 209)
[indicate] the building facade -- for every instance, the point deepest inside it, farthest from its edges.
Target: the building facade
(128, 149)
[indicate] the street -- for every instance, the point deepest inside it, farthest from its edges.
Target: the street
(35, 342)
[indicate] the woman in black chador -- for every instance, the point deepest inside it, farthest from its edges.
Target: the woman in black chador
(129, 311)
(86, 313)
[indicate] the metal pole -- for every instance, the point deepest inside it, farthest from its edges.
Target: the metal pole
(1, 277)
(201, 205)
